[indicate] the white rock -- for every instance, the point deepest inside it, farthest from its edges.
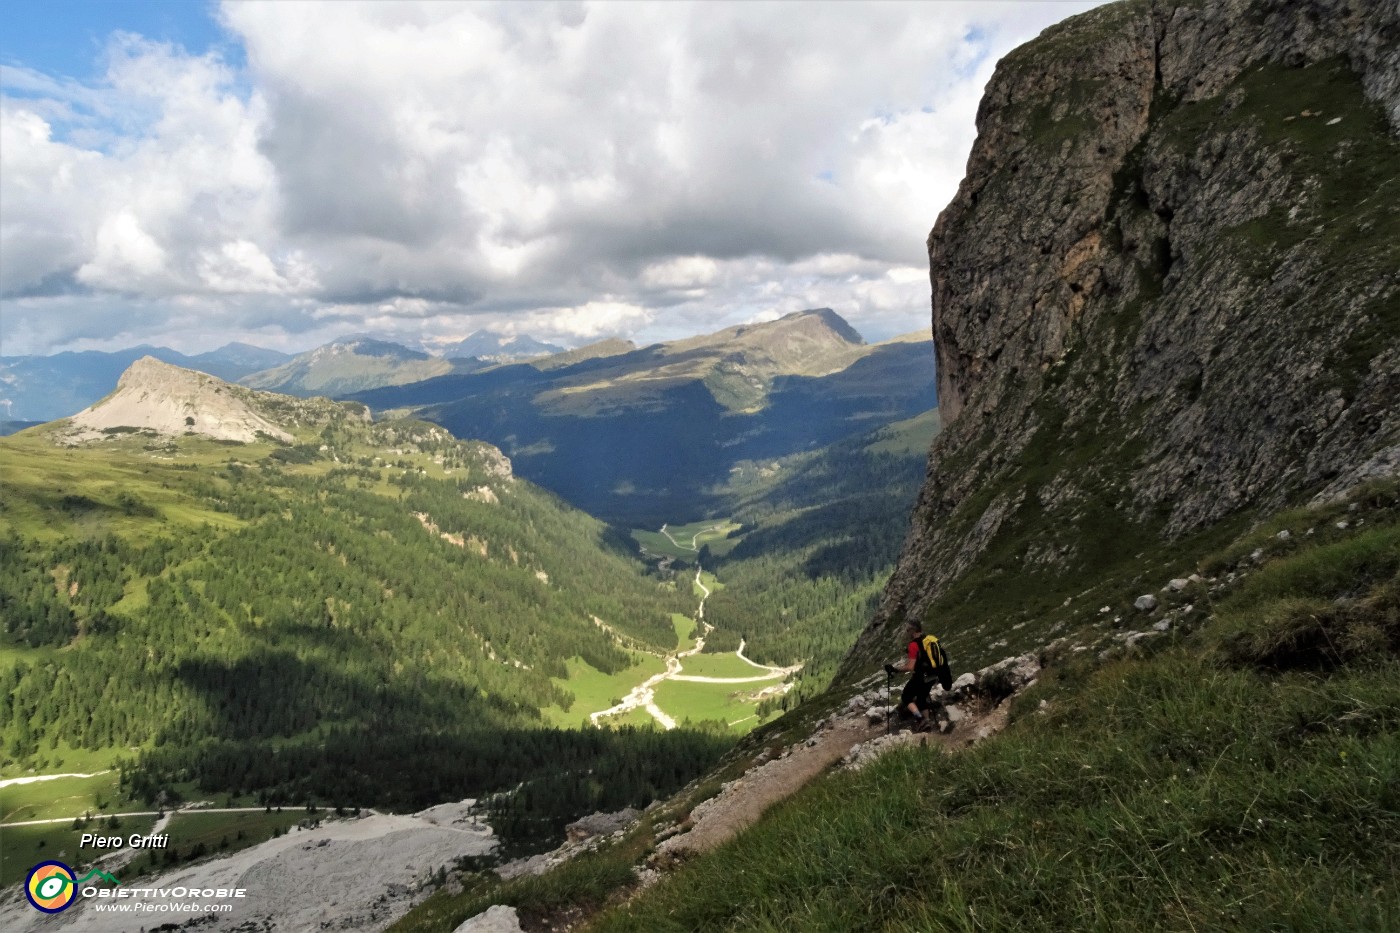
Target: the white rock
(1162, 626)
(1146, 602)
(964, 682)
(497, 919)
(1284, 535)
(1179, 584)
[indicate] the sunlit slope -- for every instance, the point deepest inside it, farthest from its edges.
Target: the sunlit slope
(363, 614)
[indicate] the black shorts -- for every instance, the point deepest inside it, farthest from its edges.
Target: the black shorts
(916, 691)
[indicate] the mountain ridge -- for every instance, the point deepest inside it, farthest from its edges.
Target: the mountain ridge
(604, 428)
(349, 365)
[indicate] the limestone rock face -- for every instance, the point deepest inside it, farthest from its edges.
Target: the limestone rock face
(1168, 288)
(169, 400)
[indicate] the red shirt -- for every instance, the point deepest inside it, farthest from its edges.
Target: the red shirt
(913, 651)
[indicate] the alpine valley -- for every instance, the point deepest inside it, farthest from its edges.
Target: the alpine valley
(628, 606)
(282, 600)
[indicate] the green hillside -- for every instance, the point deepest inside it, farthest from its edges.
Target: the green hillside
(822, 531)
(373, 615)
(353, 365)
(1238, 772)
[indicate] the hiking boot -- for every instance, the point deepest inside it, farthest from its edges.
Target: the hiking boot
(924, 725)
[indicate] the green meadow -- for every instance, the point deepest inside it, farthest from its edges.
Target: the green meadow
(723, 665)
(726, 703)
(689, 539)
(64, 797)
(685, 631)
(22, 847)
(594, 691)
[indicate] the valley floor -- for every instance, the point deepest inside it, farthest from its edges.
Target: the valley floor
(698, 686)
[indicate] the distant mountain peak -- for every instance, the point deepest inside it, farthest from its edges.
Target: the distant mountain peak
(831, 319)
(349, 364)
(490, 345)
(169, 400)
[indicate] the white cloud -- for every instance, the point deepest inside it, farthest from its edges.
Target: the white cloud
(582, 168)
(683, 272)
(125, 256)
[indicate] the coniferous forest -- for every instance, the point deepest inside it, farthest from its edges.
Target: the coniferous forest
(373, 619)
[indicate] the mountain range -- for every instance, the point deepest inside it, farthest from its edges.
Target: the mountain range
(644, 436)
(351, 365)
(1157, 530)
(497, 348)
(35, 389)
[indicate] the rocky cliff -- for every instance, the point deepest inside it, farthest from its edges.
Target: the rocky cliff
(1165, 296)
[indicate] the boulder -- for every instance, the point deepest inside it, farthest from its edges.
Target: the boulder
(1145, 603)
(600, 824)
(496, 919)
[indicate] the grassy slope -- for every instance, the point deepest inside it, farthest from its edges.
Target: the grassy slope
(25, 846)
(171, 480)
(1242, 772)
(1235, 778)
(64, 797)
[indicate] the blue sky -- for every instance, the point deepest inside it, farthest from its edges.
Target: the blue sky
(282, 173)
(69, 37)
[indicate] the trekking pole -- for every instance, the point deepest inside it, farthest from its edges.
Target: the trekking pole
(889, 685)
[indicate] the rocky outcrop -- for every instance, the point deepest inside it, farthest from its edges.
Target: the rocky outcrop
(1166, 291)
(600, 824)
(168, 400)
(497, 919)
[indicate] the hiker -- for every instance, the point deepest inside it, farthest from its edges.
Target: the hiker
(927, 665)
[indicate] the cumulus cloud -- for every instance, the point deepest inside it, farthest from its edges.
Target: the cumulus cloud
(425, 168)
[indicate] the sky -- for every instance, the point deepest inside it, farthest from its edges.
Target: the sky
(285, 172)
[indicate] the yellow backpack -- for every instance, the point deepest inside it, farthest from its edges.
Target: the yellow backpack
(937, 660)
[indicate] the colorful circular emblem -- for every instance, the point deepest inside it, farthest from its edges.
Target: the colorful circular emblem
(51, 887)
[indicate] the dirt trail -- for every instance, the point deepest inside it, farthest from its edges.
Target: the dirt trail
(721, 818)
(11, 782)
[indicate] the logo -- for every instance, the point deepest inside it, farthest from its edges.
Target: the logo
(51, 887)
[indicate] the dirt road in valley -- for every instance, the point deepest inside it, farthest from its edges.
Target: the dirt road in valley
(643, 696)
